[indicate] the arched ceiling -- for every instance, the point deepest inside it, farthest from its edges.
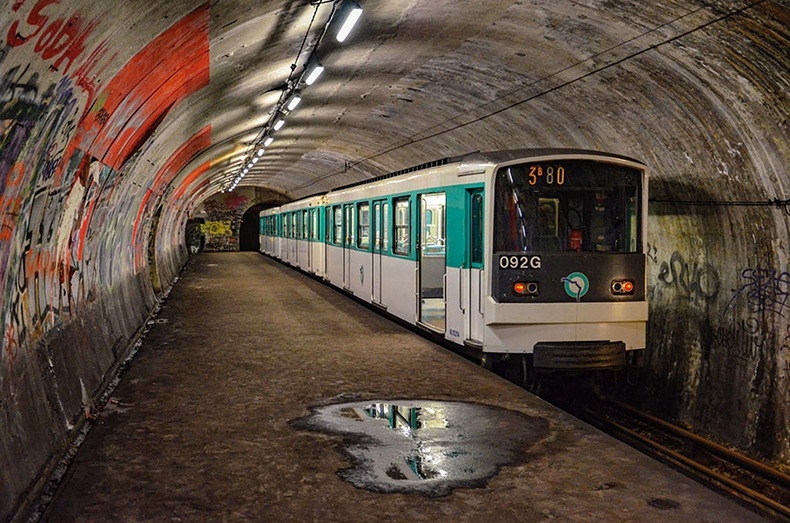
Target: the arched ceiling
(118, 118)
(697, 89)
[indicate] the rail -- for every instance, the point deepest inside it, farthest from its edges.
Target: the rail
(762, 487)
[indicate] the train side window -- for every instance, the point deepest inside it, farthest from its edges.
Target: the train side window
(385, 211)
(349, 223)
(299, 216)
(402, 240)
(327, 224)
(338, 225)
(314, 227)
(363, 221)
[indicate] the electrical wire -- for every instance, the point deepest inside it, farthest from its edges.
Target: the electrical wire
(411, 140)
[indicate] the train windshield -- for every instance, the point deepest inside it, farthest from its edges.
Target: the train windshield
(567, 206)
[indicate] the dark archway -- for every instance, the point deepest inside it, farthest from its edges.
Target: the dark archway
(249, 239)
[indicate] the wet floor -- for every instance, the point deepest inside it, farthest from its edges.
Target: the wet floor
(201, 427)
(426, 447)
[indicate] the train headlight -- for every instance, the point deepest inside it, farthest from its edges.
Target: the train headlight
(526, 288)
(622, 287)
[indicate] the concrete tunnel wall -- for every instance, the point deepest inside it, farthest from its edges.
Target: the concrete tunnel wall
(98, 178)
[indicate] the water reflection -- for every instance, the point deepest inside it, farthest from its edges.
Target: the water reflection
(421, 462)
(429, 447)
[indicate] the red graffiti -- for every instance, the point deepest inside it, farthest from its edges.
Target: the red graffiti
(190, 179)
(188, 150)
(156, 79)
(10, 201)
(60, 40)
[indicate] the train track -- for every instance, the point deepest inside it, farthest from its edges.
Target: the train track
(753, 483)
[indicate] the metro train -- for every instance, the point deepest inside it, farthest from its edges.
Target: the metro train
(532, 260)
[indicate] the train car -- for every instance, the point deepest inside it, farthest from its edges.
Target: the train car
(294, 234)
(530, 259)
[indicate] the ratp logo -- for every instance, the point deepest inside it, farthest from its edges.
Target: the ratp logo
(576, 285)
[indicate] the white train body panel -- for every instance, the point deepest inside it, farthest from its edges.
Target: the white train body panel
(442, 286)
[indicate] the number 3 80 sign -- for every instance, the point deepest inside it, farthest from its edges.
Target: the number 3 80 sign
(519, 261)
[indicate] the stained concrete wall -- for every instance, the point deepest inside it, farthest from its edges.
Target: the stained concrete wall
(107, 110)
(82, 221)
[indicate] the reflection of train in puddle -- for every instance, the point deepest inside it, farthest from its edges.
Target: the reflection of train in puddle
(528, 259)
(420, 461)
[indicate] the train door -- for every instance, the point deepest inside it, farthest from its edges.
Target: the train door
(432, 267)
(329, 227)
(380, 245)
(309, 239)
(472, 270)
(348, 242)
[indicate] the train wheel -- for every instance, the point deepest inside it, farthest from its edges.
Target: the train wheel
(516, 368)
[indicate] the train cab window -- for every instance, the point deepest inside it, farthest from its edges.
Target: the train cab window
(338, 225)
(477, 227)
(402, 240)
(363, 221)
(567, 205)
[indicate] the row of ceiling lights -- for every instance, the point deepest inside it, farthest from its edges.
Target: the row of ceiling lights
(291, 96)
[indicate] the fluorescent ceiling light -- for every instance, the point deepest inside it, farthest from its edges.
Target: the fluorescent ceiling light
(268, 141)
(353, 16)
(261, 151)
(295, 99)
(314, 74)
(279, 124)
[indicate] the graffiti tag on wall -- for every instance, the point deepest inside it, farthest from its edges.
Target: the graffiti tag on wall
(692, 280)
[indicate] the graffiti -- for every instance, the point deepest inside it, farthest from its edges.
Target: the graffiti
(765, 290)
(746, 339)
(222, 243)
(221, 228)
(60, 41)
(786, 341)
(65, 232)
(694, 281)
(57, 38)
(652, 253)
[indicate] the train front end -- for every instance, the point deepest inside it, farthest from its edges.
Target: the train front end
(567, 262)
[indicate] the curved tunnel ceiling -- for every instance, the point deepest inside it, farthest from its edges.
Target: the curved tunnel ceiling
(695, 89)
(119, 118)
(698, 90)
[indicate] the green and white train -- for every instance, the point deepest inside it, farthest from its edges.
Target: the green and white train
(531, 259)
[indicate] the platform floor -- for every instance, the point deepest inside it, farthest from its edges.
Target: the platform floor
(199, 429)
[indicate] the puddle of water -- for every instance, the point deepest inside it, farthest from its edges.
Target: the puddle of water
(426, 447)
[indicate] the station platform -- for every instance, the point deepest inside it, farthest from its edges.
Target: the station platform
(246, 398)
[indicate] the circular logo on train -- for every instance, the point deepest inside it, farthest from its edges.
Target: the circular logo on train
(576, 285)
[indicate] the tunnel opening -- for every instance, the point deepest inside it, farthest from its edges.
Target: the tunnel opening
(249, 238)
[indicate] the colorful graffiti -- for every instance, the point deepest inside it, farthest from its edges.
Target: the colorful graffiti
(221, 228)
(65, 208)
(61, 42)
(224, 214)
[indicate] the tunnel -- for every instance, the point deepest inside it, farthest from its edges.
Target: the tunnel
(137, 134)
